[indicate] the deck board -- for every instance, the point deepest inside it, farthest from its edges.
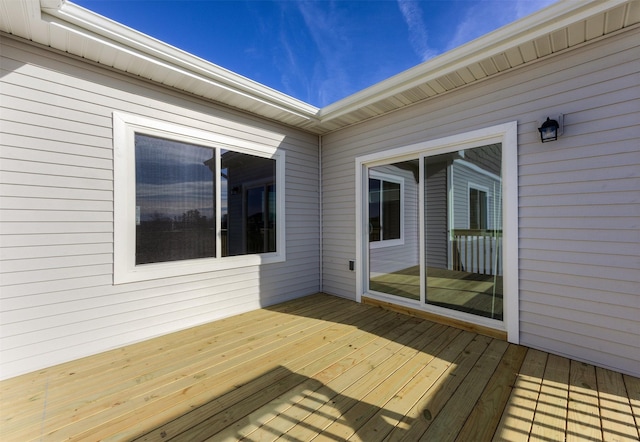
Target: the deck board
(460, 404)
(427, 409)
(517, 417)
(633, 390)
(550, 419)
(615, 408)
(583, 416)
(485, 416)
(321, 368)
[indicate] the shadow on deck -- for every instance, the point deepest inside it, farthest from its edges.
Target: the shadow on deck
(296, 407)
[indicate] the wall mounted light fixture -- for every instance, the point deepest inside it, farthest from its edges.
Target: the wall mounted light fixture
(550, 129)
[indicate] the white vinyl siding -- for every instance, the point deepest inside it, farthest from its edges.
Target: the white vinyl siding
(56, 271)
(578, 197)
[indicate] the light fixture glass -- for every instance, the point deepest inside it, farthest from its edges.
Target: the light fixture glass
(549, 130)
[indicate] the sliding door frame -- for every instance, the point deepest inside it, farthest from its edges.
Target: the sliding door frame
(506, 135)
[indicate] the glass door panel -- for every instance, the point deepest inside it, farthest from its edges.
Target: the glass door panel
(463, 231)
(392, 211)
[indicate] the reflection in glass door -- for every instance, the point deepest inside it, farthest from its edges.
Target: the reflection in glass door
(458, 221)
(463, 231)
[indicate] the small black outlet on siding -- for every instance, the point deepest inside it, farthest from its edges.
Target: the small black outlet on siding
(352, 265)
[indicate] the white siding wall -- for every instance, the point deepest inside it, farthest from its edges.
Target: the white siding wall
(56, 237)
(579, 197)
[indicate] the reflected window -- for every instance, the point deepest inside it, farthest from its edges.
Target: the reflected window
(385, 208)
(477, 209)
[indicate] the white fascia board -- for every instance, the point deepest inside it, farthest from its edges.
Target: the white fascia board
(51, 4)
(548, 20)
(80, 20)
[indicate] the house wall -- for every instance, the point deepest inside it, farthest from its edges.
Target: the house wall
(579, 197)
(58, 298)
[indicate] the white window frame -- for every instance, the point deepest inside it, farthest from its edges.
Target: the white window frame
(125, 270)
(507, 135)
(480, 188)
(391, 179)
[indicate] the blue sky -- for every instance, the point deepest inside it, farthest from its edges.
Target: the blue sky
(316, 51)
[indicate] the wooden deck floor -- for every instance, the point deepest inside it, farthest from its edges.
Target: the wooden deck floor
(322, 368)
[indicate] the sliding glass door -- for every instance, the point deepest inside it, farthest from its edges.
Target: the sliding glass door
(435, 231)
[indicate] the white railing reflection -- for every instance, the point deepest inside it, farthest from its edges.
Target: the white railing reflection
(477, 251)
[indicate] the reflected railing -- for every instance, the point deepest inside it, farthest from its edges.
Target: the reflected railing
(477, 251)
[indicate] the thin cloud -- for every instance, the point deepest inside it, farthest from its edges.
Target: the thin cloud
(486, 16)
(418, 36)
(527, 7)
(286, 59)
(329, 29)
(313, 51)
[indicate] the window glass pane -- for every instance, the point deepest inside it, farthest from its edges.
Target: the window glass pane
(473, 208)
(463, 231)
(271, 226)
(225, 194)
(255, 222)
(175, 217)
(390, 210)
(248, 203)
(374, 210)
(477, 209)
(482, 210)
(394, 258)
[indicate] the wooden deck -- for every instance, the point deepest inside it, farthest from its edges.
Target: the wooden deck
(322, 368)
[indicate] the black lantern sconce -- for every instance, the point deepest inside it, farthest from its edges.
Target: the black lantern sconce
(550, 129)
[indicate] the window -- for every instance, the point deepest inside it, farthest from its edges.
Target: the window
(188, 201)
(477, 209)
(175, 201)
(385, 209)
